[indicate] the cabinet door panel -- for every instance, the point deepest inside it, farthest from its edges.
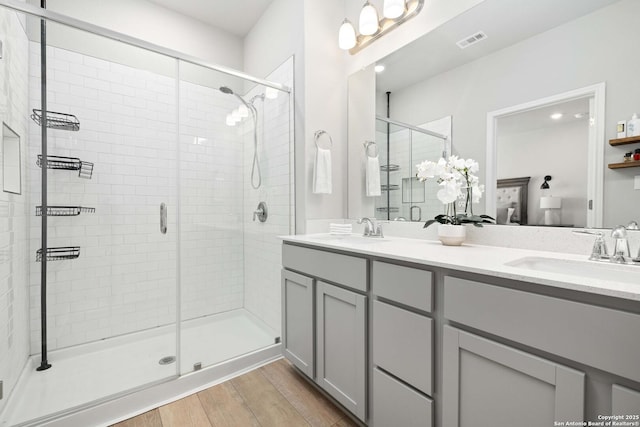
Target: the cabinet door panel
(395, 404)
(297, 320)
(624, 401)
(486, 383)
(402, 345)
(341, 368)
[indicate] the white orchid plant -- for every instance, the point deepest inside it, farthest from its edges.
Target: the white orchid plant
(457, 181)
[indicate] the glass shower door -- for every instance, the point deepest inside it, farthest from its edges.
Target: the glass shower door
(111, 119)
(234, 136)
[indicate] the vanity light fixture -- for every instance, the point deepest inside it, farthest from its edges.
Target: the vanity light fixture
(393, 8)
(270, 93)
(371, 27)
(368, 22)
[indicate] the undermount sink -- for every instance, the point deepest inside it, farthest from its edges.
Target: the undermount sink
(588, 269)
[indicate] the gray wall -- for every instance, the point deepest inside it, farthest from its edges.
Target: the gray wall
(599, 47)
(549, 151)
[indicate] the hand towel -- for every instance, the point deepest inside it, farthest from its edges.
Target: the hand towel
(372, 176)
(322, 172)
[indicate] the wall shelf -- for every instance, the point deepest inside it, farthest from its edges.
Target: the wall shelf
(85, 169)
(625, 141)
(390, 168)
(56, 120)
(632, 164)
(389, 187)
(64, 210)
(59, 254)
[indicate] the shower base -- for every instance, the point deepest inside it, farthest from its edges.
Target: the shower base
(100, 371)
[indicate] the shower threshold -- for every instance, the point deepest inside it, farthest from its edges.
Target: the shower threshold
(97, 372)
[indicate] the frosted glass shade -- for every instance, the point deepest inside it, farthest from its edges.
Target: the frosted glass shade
(368, 23)
(346, 35)
(550, 202)
(393, 8)
(243, 111)
(270, 93)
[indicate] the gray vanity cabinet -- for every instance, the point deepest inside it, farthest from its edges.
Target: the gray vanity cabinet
(324, 321)
(402, 347)
(341, 345)
(487, 383)
(297, 320)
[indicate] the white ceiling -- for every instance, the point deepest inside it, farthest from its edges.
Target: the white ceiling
(234, 16)
(505, 23)
(540, 118)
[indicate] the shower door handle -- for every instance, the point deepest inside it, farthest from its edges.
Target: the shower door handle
(163, 218)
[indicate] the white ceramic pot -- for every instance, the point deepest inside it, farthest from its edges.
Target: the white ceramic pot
(451, 235)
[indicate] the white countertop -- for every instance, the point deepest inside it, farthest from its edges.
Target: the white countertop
(488, 260)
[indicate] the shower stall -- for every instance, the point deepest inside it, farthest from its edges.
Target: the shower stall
(147, 261)
(400, 146)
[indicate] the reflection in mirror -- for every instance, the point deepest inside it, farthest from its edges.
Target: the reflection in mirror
(533, 50)
(552, 142)
(548, 134)
(402, 146)
(11, 182)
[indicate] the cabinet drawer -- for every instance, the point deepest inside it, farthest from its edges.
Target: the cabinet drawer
(405, 285)
(402, 345)
(624, 401)
(395, 404)
(345, 270)
(585, 333)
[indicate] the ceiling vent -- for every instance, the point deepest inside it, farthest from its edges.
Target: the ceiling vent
(472, 39)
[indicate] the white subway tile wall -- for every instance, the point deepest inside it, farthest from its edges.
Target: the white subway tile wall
(263, 253)
(125, 278)
(211, 180)
(14, 208)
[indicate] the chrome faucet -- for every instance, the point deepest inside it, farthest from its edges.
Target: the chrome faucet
(621, 252)
(599, 251)
(370, 229)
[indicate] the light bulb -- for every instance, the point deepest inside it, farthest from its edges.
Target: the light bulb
(270, 93)
(393, 8)
(368, 23)
(230, 120)
(236, 115)
(346, 35)
(243, 111)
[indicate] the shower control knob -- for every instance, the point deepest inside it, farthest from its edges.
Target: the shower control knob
(261, 212)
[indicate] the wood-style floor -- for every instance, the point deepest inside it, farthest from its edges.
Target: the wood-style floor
(275, 395)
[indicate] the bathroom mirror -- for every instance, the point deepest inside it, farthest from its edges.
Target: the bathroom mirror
(399, 147)
(11, 182)
(517, 52)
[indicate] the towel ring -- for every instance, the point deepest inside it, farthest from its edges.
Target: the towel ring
(318, 134)
(369, 144)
